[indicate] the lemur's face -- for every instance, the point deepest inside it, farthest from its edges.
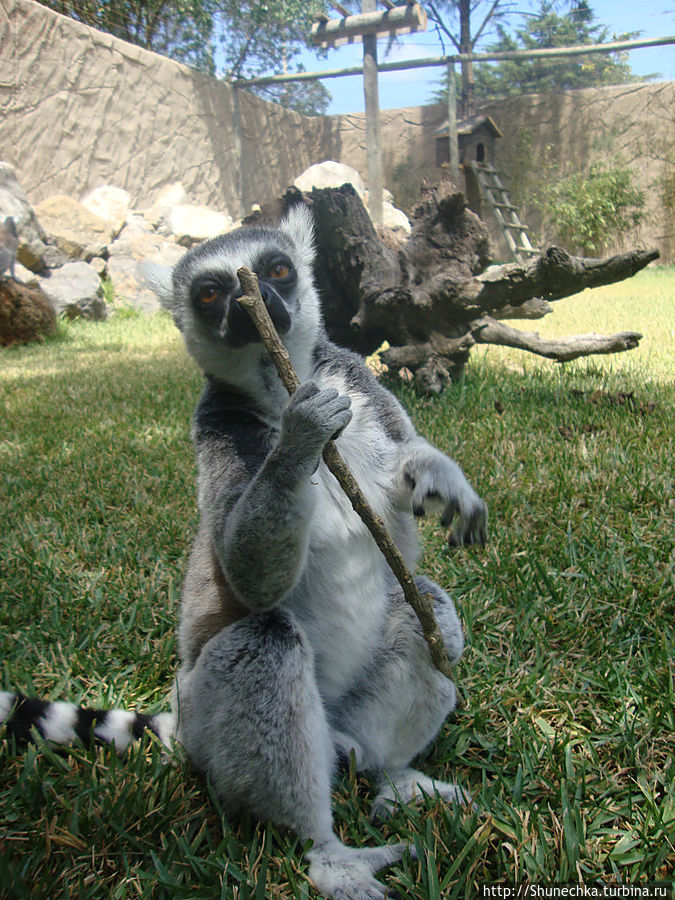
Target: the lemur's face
(202, 294)
(214, 294)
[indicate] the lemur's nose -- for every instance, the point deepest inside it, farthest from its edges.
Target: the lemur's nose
(237, 326)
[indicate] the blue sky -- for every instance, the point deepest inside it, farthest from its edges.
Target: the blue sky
(654, 18)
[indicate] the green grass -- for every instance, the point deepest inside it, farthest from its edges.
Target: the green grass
(645, 303)
(565, 733)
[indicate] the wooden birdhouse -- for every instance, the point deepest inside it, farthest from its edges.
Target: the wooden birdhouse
(476, 137)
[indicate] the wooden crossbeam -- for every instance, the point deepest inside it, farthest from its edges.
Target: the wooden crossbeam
(351, 28)
(341, 9)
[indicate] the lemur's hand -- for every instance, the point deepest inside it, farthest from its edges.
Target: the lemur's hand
(312, 418)
(436, 483)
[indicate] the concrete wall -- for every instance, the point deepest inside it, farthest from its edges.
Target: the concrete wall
(80, 108)
(547, 136)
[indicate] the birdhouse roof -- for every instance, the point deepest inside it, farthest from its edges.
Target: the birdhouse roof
(470, 126)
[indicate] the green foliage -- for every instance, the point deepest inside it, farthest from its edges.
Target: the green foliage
(180, 29)
(591, 211)
(265, 37)
(224, 37)
(262, 33)
(546, 29)
(309, 98)
(565, 732)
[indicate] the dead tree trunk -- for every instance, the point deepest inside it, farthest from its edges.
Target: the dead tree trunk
(432, 295)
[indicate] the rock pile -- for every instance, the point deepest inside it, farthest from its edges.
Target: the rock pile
(69, 250)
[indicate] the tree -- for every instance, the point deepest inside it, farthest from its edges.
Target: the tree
(310, 98)
(590, 211)
(548, 29)
(180, 29)
(264, 37)
(224, 37)
(543, 29)
(464, 36)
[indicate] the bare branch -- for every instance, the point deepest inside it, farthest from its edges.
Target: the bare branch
(438, 21)
(421, 604)
(487, 18)
(553, 275)
(489, 331)
(531, 309)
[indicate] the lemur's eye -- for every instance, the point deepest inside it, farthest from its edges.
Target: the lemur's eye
(207, 294)
(279, 270)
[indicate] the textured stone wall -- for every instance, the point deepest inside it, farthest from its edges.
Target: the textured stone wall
(547, 136)
(80, 108)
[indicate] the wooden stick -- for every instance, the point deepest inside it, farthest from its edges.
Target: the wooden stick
(422, 604)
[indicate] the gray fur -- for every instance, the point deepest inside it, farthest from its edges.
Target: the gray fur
(296, 644)
(9, 242)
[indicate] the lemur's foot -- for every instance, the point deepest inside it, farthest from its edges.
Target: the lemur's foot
(409, 784)
(347, 873)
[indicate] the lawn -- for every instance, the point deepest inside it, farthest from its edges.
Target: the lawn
(565, 731)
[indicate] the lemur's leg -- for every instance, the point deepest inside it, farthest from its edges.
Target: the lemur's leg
(251, 717)
(400, 704)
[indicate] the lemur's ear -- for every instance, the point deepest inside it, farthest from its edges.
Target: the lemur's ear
(298, 224)
(158, 278)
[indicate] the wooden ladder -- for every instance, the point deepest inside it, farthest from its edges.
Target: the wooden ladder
(506, 214)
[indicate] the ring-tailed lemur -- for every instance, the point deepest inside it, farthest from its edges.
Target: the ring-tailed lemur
(296, 645)
(9, 241)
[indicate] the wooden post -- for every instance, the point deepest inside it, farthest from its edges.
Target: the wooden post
(452, 128)
(370, 91)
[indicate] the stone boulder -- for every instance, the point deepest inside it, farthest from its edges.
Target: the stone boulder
(76, 231)
(25, 314)
(133, 247)
(190, 223)
(395, 218)
(25, 277)
(387, 197)
(112, 204)
(169, 196)
(34, 250)
(76, 290)
(330, 174)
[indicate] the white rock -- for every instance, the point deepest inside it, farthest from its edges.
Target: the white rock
(394, 218)
(132, 248)
(330, 174)
(25, 276)
(137, 222)
(75, 289)
(170, 195)
(387, 197)
(109, 203)
(33, 250)
(99, 264)
(196, 222)
(76, 231)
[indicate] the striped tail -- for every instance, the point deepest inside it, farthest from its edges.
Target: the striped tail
(64, 723)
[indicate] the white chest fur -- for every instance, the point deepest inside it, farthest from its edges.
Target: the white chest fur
(341, 598)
